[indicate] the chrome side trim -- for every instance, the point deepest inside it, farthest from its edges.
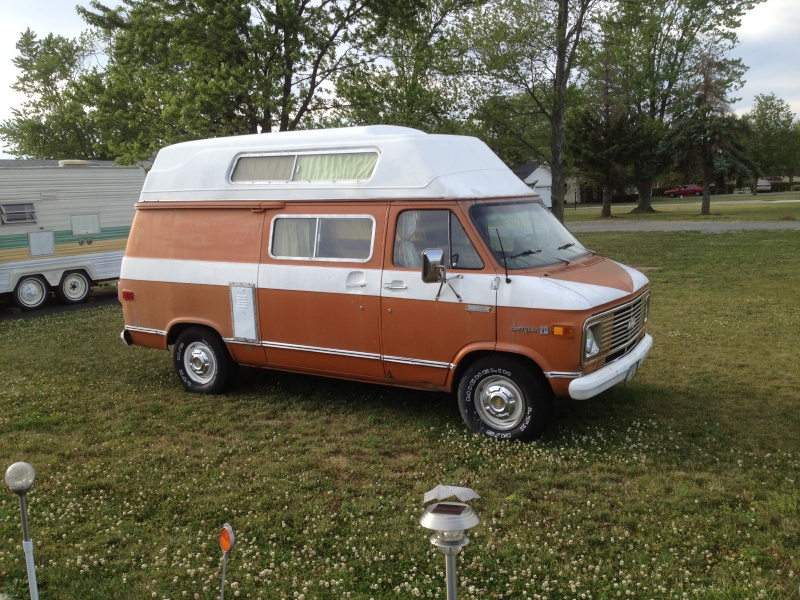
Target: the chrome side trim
(419, 362)
(145, 330)
(562, 375)
(334, 351)
(241, 342)
(354, 354)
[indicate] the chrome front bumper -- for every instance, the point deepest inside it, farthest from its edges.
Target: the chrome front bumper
(616, 372)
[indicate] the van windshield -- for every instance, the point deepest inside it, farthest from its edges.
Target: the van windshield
(524, 235)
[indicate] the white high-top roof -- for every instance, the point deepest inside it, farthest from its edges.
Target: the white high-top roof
(411, 164)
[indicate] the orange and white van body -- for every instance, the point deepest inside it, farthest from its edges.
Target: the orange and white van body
(379, 254)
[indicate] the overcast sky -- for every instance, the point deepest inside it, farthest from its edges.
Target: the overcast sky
(769, 45)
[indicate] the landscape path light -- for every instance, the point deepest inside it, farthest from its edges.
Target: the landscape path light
(226, 541)
(19, 479)
(449, 521)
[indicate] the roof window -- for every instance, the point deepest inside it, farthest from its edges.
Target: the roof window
(337, 166)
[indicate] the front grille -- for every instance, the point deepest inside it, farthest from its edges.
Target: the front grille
(618, 330)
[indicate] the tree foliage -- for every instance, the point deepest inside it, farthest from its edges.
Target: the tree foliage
(413, 72)
(54, 121)
(176, 70)
(659, 47)
(530, 48)
(775, 139)
(706, 137)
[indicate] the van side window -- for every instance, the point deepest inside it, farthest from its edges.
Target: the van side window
(418, 230)
(343, 238)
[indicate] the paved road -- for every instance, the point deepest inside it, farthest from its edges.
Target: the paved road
(710, 227)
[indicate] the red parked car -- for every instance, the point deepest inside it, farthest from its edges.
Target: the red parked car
(685, 190)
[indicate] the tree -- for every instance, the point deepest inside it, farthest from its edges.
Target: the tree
(412, 72)
(705, 134)
(775, 143)
(658, 47)
(53, 122)
(600, 131)
(175, 70)
(530, 47)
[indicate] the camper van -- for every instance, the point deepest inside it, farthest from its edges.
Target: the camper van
(63, 228)
(379, 254)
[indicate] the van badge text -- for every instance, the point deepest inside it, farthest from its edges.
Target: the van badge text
(544, 329)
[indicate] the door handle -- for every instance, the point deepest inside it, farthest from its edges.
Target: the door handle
(362, 284)
(395, 285)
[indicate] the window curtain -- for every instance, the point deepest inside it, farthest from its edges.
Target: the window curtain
(406, 254)
(294, 238)
(331, 167)
(263, 168)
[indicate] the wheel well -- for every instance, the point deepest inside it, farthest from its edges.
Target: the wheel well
(177, 329)
(470, 359)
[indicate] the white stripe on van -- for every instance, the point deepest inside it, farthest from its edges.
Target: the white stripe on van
(474, 288)
(201, 272)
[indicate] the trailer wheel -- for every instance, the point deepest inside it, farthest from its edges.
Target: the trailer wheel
(202, 362)
(502, 398)
(31, 292)
(74, 287)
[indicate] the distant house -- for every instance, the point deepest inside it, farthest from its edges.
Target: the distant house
(539, 178)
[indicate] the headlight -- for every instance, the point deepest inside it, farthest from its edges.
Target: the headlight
(590, 347)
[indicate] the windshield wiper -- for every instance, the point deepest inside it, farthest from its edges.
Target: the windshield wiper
(565, 246)
(524, 253)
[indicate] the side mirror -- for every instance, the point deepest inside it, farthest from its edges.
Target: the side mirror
(433, 265)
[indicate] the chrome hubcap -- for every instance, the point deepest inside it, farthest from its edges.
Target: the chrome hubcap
(200, 362)
(500, 404)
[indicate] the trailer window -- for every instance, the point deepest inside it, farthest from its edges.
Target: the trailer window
(336, 166)
(17, 213)
(333, 238)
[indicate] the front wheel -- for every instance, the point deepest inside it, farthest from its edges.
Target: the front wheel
(500, 397)
(202, 362)
(31, 292)
(74, 287)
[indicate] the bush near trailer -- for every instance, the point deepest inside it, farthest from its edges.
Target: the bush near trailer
(683, 484)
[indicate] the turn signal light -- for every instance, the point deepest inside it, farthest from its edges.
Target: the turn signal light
(562, 331)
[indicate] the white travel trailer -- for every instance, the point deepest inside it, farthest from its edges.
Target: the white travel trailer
(63, 228)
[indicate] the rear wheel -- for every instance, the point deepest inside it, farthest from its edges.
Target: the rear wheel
(501, 397)
(74, 287)
(31, 292)
(202, 362)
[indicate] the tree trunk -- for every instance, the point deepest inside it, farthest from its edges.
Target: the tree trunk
(558, 187)
(708, 177)
(645, 188)
(607, 194)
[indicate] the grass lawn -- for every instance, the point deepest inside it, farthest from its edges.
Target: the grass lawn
(763, 207)
(683, 484)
